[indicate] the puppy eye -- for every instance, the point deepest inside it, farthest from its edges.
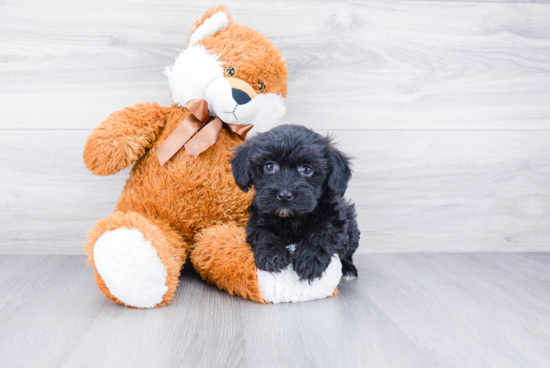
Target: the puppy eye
(261, 86)
(271, 167)
(230, 71)
(305, 170)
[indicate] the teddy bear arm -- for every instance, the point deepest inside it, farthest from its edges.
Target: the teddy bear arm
(123, 138)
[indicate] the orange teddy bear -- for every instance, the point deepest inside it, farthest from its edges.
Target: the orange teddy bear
(181, 201)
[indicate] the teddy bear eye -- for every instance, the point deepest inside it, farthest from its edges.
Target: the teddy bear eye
(230, 72)
(305, 170)
(261, 86)
(271, 167)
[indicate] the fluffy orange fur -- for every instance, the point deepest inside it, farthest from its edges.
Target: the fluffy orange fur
(222, 257)
(170, 204)
(122, 139)
(188, 193)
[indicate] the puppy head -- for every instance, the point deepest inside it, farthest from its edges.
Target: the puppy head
(290, 167)
(237, 70)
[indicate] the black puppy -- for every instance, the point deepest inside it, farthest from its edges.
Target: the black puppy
(299, 179)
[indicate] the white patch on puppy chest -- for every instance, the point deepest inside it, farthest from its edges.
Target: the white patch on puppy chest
(217, 22)
(130, 267)
(285, 286)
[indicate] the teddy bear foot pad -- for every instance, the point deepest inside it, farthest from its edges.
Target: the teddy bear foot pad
(131, 268)
(286, 287)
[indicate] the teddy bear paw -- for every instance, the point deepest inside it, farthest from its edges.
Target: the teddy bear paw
(285, 286)
(131, 268)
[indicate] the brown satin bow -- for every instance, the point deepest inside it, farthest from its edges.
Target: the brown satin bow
(197, 122)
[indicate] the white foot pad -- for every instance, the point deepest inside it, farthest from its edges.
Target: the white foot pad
(130, 267)
(285, 286)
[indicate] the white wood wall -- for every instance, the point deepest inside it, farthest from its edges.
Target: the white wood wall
(444, 105)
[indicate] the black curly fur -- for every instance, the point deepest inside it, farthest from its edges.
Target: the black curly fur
(318, 220)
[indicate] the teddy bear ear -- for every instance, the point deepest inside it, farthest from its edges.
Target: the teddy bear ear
(213, 20)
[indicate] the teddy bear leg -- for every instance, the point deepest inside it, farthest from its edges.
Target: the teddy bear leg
(222, 257)
(137, 260)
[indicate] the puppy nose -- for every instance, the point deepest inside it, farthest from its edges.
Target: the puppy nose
(285, 195)
(240, 97)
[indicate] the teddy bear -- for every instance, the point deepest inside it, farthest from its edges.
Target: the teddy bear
(181, 204)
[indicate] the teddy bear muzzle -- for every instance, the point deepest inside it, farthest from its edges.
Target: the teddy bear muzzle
(232, 100)
(241, 91)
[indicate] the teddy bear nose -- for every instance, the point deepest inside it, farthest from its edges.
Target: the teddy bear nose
(240, 97)
(285, 195)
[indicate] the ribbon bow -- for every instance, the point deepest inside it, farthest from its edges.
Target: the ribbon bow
(207, 132)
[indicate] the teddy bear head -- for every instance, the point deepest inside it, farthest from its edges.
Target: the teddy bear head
(238, 71)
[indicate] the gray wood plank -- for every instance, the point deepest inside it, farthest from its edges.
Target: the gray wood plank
(404, 310)
(415, 191)
(371, 65)
(448, 191)
(48, 197)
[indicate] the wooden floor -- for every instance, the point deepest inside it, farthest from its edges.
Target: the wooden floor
(413, 310)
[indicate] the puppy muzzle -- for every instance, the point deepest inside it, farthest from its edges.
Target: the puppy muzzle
(284, 212)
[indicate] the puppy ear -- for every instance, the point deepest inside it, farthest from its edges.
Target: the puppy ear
(340, 174)
(241, 165)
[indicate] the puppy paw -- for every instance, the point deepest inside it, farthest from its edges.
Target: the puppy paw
(309, 265)
(349, 275)
(349, 272)
(273, 260)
